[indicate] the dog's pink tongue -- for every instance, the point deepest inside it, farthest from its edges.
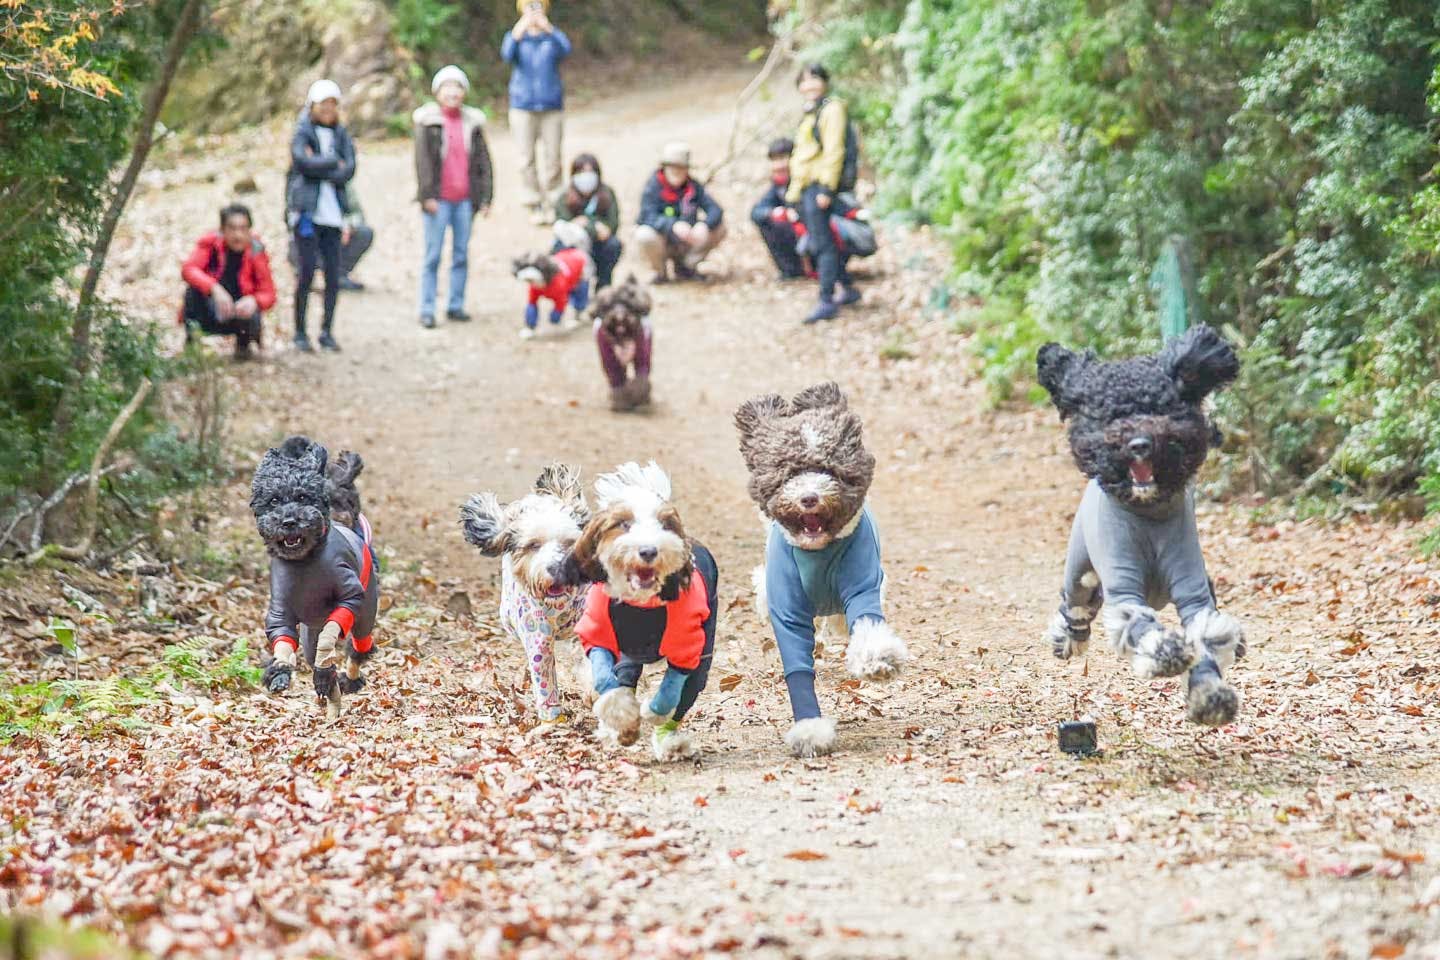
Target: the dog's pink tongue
(1141, 472)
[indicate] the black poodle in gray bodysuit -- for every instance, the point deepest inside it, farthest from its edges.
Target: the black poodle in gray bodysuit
(1139, 432)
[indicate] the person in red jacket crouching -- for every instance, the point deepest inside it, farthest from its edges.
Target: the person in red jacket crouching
(228, 282)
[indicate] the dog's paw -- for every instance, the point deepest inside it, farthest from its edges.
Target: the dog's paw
(277, 676)
(1209, 700)
(671, 743)
(875, 652)
(811, 737)
(327, 680)
(1154, 651)
(762, 599)
(1220, 634)
(619, 714)
(349, 685)
(1067, 641)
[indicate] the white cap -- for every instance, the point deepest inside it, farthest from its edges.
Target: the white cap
(676, 154)
(448, 73)
(322, 90)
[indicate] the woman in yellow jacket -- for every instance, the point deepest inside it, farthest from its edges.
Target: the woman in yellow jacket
(815, 168)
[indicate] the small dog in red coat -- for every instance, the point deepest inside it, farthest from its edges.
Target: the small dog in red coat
(562, 277)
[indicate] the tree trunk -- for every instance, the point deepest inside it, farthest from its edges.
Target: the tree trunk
(186, 26)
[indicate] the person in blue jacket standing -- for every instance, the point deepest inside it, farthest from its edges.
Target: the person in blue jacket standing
(534, 48)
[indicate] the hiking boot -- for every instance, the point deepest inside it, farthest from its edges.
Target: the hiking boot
(684, 271)
(302, 343)
(824, 310)
(460, 315)
(347, 284)
(848, 296)
(327, 342)
(242, 350)
(427, 321)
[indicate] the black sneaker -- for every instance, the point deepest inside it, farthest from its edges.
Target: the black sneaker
(327, 342)
(347, 284)
(427, 321)
(302, 343)
(460, 315)
(242, 351)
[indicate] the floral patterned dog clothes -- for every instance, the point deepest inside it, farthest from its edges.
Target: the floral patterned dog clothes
(539, 624)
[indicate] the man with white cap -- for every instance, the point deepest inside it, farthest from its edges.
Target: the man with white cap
(679, 222)
(455, 182)
(322, 162)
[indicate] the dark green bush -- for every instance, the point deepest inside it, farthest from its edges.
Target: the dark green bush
(1291, 142)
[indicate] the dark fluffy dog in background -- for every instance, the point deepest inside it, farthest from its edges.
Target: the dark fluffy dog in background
(1138, 430)
(324, 587)
(810, 475)
(623, 335)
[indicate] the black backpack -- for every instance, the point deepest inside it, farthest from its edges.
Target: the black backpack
(850, 170)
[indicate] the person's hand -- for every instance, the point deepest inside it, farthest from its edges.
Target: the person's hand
(430, 206)
(224, 303)
(581, 221)
(680, 231)
(541, 21)
(484, 211)
(823, 201)
(602, 232)
(521, 25)
(792, 214)
(778, 213)
(345, 234)
(246, 307)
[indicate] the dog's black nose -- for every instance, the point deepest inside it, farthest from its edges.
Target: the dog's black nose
(809, 501)
(648, 553)
(1140, 448)
(288, 522)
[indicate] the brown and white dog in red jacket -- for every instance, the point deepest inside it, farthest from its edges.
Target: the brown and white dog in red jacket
(653, 599)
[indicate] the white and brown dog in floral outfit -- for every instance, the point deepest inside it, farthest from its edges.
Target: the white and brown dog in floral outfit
(541, 593)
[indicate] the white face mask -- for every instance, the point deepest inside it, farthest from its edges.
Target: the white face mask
(586, 181)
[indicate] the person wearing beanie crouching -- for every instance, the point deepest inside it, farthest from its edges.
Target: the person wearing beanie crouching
(775, 218)
(322, 162)
(817, 169)
(535, 48)
(452, 169)
(679, 222)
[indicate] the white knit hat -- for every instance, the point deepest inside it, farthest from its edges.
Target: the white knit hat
(446, 74)
(675, 154)
(322, 90)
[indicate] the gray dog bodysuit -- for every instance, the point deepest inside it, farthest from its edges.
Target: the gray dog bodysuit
(336, 582)
(1136, 559)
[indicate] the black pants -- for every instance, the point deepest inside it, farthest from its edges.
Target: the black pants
(780, 241)
(350, 253)
(322, 247)
(638, 632)
(200, 315)
(829, 262)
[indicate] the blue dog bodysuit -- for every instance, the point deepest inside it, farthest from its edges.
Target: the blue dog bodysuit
(801, 585)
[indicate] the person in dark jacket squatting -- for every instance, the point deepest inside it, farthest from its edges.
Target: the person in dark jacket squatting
(322, 162)
(587, 217)
(452, 168)
(228, 283)
(679, 222)
(776, 218)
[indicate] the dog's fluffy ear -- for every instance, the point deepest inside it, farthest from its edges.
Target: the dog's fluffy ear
(586, 552)
(1200, 361)
(679, 581)
(483, 522)
(821, 395)
(562, 481)
(345, 468)
(1058, 371)
(304, 450)
(610, 487)
(755, 413)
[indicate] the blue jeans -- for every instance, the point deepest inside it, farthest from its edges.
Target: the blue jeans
(456, 216)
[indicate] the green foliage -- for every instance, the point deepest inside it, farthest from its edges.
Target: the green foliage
(91, 706)
(1292, 144)
(29, 938)
(58, 149)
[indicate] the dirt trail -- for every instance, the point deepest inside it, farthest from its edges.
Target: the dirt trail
(947, 825)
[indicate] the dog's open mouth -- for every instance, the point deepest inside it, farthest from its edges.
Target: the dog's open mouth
(812, 525)
(644, 578)
(1142, 479)
(294, 541)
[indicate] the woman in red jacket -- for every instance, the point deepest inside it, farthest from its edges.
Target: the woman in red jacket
(228, 282)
